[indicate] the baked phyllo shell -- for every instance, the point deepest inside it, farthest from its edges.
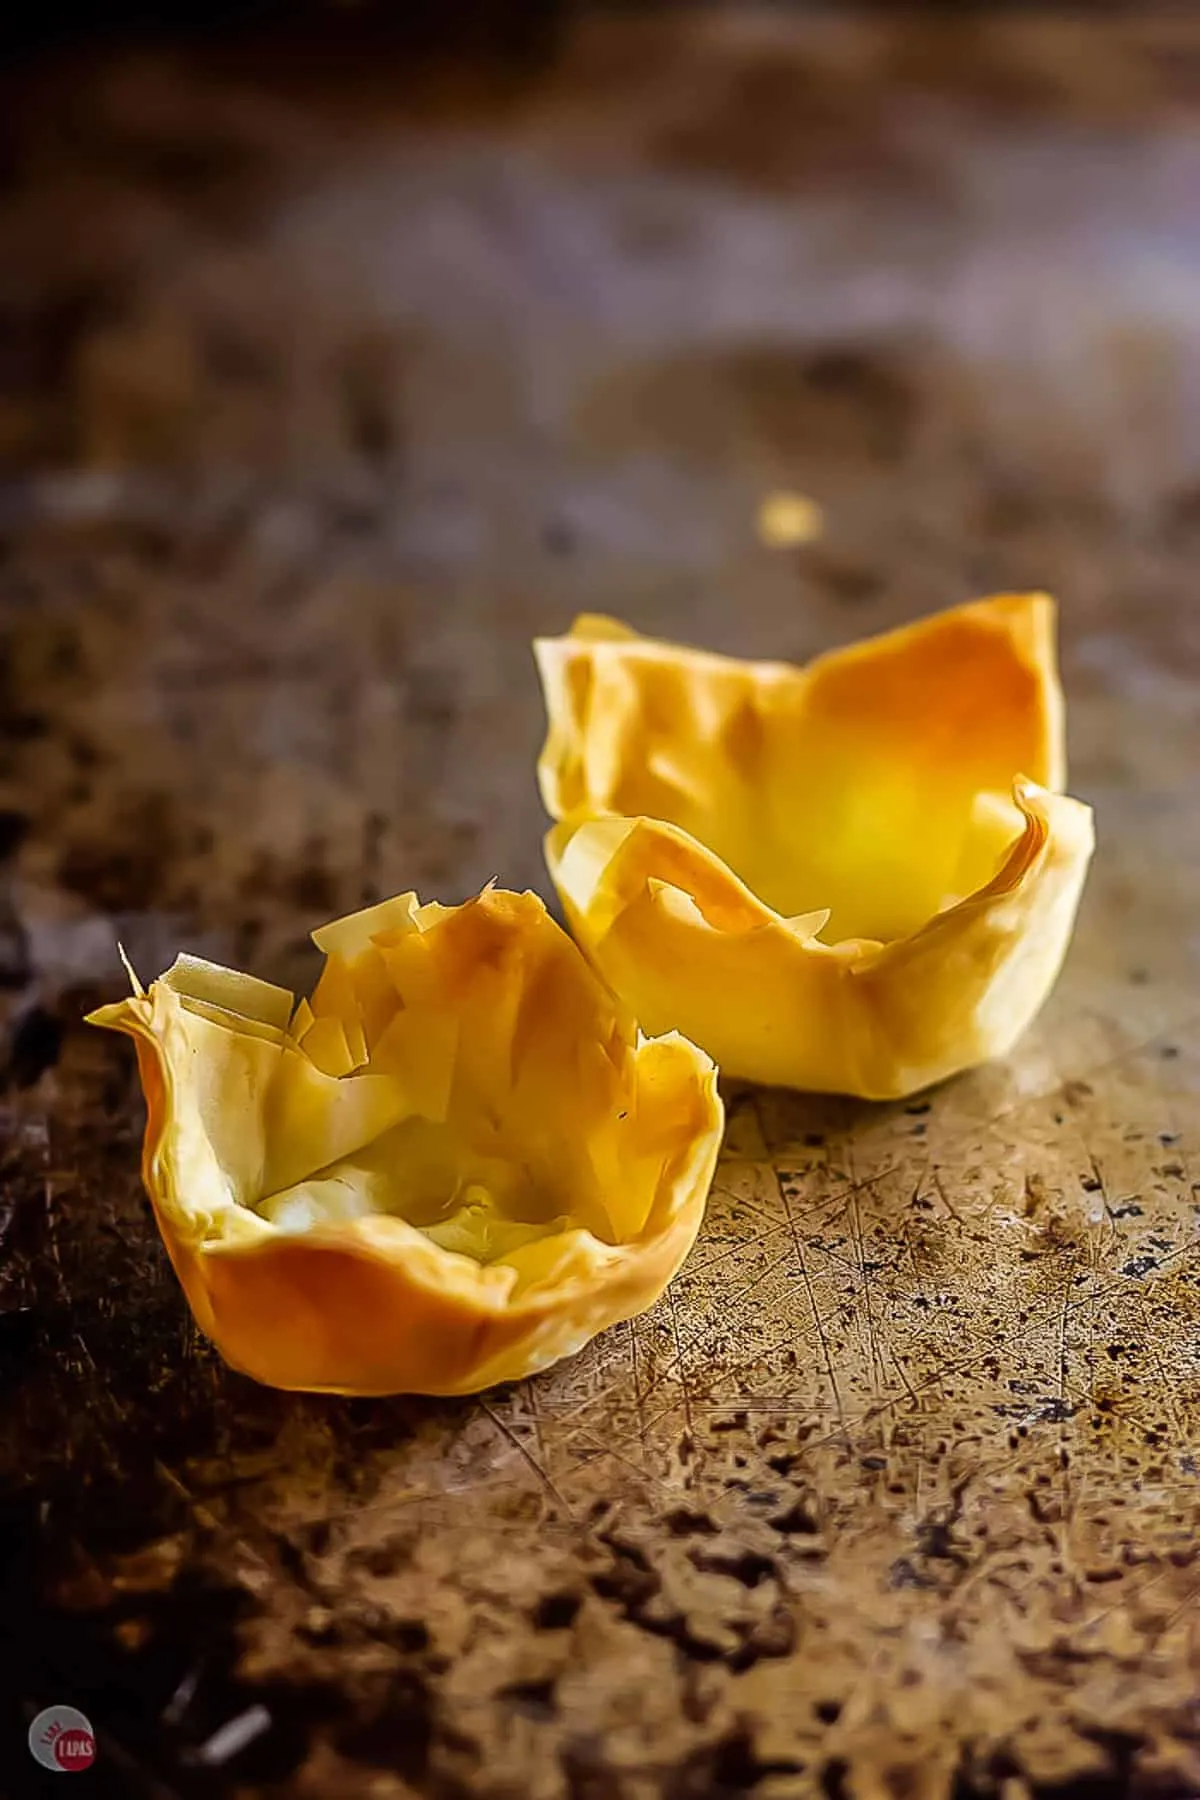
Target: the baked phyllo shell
(454, 1165)
(857, 877)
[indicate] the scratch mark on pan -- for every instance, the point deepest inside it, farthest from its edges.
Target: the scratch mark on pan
(635, 1360)
(523, 1450)
(1032, 1327)
(1128, 1595)
(912, 1392)
(1165, 1390)
(600, 1449)
(678, 1363)
(868, 1311)
(940, 1185)
(1067, 1503)
(728, 1307)
(713, 1262)
(1173, 1617)
(819, 1323)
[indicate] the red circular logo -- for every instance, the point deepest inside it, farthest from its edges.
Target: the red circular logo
(74, 1749)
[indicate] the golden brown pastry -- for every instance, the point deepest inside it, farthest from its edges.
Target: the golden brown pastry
(860, 876)
(452, 1167)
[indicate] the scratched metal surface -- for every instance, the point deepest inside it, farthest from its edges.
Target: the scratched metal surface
(323, 394)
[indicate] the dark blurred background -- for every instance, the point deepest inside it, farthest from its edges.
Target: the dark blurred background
(415, 28)
(344, 347)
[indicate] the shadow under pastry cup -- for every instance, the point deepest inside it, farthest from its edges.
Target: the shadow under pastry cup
(452, 1167)
(859, 877)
